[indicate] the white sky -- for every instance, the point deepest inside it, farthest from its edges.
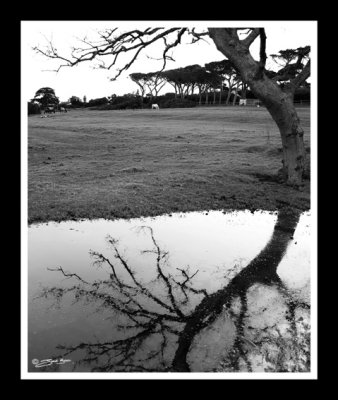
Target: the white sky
(84, 80)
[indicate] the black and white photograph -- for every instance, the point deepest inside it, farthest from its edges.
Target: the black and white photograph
(168, 199)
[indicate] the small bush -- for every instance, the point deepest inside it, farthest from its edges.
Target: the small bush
(97, 102)
(33, 108)
(131, 103)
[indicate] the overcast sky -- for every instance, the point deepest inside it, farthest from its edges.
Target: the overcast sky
(84, 80)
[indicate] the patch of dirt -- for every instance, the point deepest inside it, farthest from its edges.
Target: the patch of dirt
(255, 149)
(132, 170)
(276, 178)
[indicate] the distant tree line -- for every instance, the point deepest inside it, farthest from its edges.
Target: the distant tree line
(215, 83)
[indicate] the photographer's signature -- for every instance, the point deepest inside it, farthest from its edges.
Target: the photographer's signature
(48, 361)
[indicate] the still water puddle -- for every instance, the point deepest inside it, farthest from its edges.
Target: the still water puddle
(195, 292)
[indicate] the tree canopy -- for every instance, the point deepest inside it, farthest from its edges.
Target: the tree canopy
(46, 96)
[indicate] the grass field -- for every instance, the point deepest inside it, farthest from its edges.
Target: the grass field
(132, 163)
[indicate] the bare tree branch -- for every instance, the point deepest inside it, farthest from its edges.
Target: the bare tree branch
(300, 78)
(262, 50)
(170, 46)
(143, 289)
(162, 275)
(251, 37)
(262, 54)
(68, 275)
(128, 42)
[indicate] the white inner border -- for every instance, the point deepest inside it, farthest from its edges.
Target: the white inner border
(313, 32)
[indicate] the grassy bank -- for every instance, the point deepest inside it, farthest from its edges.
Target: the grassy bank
(123, 164)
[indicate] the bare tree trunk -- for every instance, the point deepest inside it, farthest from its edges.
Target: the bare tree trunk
(181, 91)
(193, 88)
(220, 93)
(214, 95)
(142, 95)
(281, 107)
(175, 87)
(206, 96)
(292, 139)
(279, 103)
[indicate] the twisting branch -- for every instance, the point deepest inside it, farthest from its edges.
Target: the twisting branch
(183, 285)
(262, 54)
(68, 275)
(133, 41)
(197, 36)
(262, 50)
(251, 37)
(143, 289)
(131, 301)
(301, 77)
(170, 46)
(232, 32)
(162, 275)
(100, 258)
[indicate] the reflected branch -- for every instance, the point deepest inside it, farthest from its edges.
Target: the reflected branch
(67, 274)
(163, 276)
(151, 319)
(143, 289)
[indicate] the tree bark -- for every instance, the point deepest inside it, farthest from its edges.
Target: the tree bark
(281, 107)
(286, 117)
(279, 103)
(181, 92)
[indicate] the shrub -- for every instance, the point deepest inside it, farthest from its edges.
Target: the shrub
(177, 103)
(33, 108)
(130, 103)
(97, 102)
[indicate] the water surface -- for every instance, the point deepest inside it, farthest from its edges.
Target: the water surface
(170, 293)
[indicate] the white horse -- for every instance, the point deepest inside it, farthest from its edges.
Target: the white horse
(155, 107)
(242, 102)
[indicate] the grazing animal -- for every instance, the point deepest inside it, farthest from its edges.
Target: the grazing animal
(63, 109)
(242, 102)
(155, 107)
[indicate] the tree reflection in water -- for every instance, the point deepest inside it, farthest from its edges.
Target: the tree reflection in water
(164, 319)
